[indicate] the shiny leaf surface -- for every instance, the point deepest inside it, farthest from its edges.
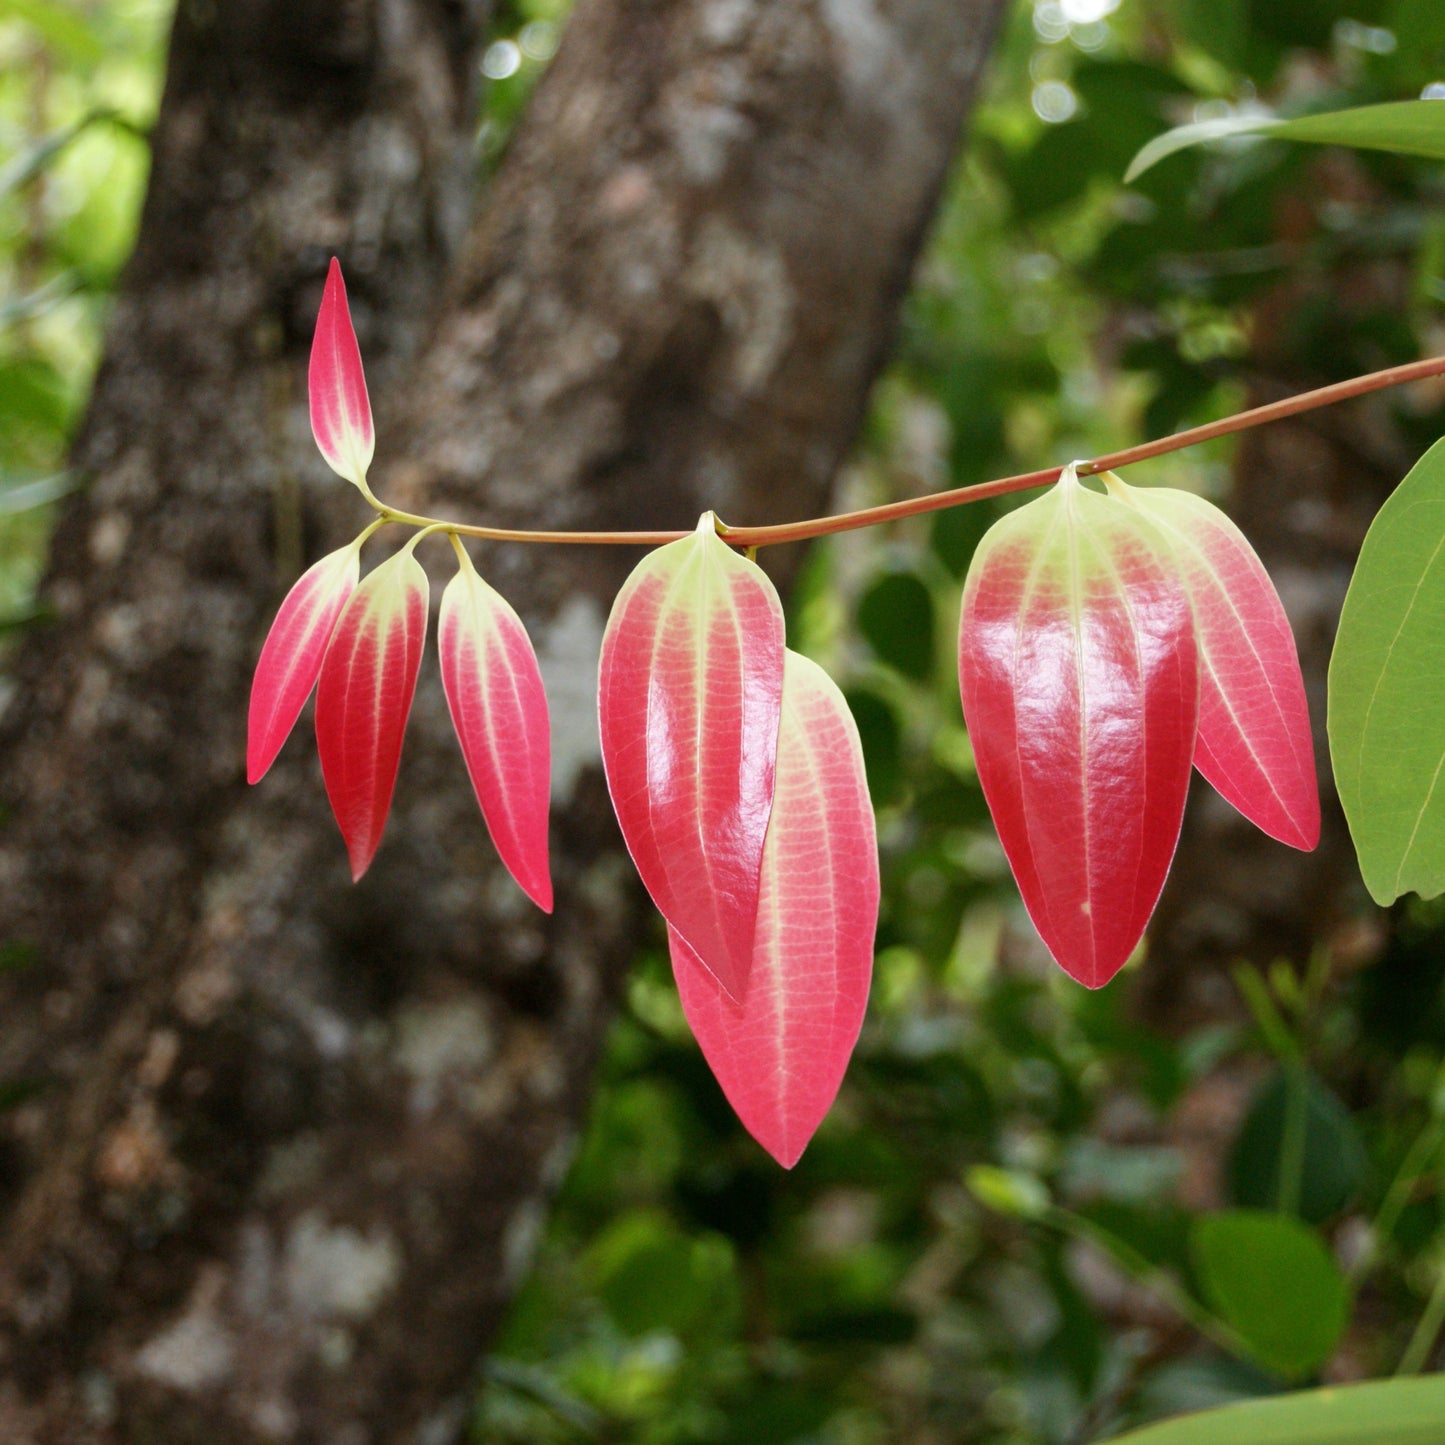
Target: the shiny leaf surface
(291, 657)
(499, 709)
(1080, 685)
(688, 698)
(781, 1053)
(1254, 741)
(363, 699)
(340, 407)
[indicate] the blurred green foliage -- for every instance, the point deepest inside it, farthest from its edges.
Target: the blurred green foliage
(78, 89)
(1009, 1230)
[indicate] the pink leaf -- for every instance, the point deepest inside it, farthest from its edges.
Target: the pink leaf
(780, 1054)
(291, 656)
(1080, 685)
(498, 707)
(1254, 740)
(368, 679)
(340, 408)
(688, 698)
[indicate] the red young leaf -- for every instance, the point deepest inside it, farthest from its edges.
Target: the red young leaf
(498, 707)
(780, 1053)
(291, 657)
(368, 678)
(340, 408)
(688, 697)
(1254, 740)
(1080, 687)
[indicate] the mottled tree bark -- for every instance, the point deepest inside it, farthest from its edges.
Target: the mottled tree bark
(286, 1142)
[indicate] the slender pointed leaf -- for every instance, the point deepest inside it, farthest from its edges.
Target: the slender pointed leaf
(1405, 127)
(368, 679)
(1254, 741)
(688, 698)
(290, 660)
(1382, 1412)
(1387, 691)
(1080, 685)
(499, 709)
(340, 407)
(781, 1053)
(1198, 133)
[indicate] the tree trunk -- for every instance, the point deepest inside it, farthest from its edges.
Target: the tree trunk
(282, 1144)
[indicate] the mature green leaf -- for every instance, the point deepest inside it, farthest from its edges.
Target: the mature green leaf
(1383, 1412)
(1387, 691)
(882, 736)
(1273, 1282)
(895, 614)
(1406, 127)
(1332, 1164)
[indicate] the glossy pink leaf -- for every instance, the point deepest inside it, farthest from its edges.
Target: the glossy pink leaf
(780, 1053)
(1254, 740)
(291, 657)
(498, 707)
(688, 698)
(1080, 685)
(340, 408)
(368, 679)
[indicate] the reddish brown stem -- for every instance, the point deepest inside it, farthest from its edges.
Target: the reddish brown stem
(751, 537)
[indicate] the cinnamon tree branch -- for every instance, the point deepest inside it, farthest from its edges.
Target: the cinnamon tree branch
(753, 537)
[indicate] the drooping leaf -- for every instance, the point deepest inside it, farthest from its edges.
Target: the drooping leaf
(780, 1053)
(688, 699)
(1254, 741)
(368, 679)
(340, 407)
(1387, 691)
(1381, 1412)
(1405, 127)
(499, 709)
(1271, 1279)
(1080, 684)
(290, 660)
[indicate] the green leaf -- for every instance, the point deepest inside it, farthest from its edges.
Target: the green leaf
(1383, 1412)
(1273, 1282)
(882, 738)
(1200, 132)
(895, 614)
(1387, 691)
(1008, 1191)
(1333, 1162)
(1405, 127)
